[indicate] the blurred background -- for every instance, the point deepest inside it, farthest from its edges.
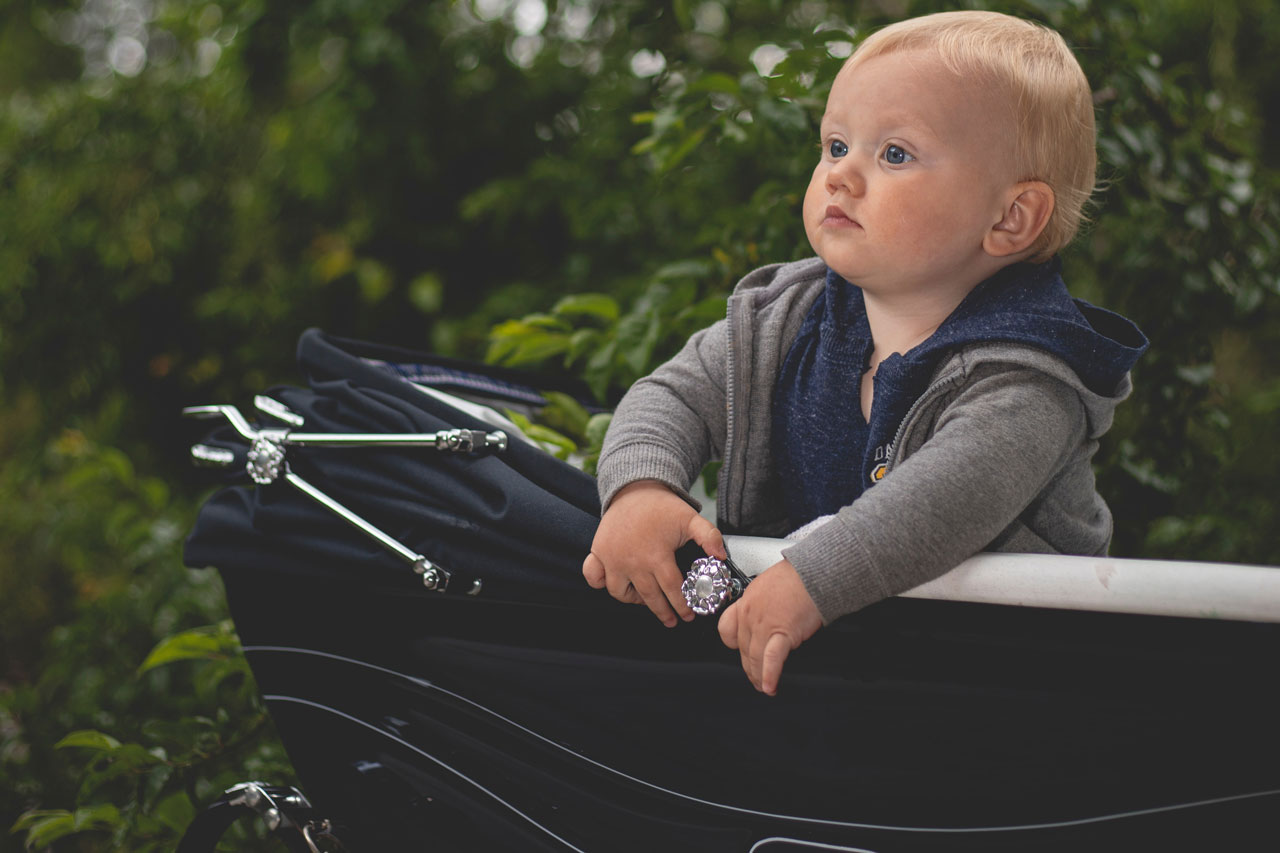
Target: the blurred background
(572, 185)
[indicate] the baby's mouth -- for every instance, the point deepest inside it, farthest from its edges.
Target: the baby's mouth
(836, 217)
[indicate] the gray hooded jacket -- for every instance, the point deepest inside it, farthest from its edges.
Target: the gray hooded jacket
(994, 455)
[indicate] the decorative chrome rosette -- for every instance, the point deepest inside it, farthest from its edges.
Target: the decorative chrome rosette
(709, 585)
(265, 461)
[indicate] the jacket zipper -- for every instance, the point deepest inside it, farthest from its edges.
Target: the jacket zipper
(913, 413)
(726, 502)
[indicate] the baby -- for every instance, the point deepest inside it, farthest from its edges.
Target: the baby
(925, 388)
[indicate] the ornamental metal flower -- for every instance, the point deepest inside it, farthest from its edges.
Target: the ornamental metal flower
(709, 585)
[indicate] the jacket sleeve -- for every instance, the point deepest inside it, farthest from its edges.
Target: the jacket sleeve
(995, 446)
(670, 423)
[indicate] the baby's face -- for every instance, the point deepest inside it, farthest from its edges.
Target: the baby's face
(915, 168)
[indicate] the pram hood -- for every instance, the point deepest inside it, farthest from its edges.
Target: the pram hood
(518, 520)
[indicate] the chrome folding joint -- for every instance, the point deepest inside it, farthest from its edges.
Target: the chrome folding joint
(470, 440)
(266, 459)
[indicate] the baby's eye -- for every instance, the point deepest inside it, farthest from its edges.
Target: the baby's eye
(837, 149)
(897, 155)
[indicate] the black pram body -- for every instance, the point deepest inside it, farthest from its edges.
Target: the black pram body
(518, 709)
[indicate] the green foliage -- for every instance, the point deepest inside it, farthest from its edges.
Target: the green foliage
(90, 579)
(216, 643)
(566, 429)
(45, 827)
(423, 173)
(142, 794)
(610, 349)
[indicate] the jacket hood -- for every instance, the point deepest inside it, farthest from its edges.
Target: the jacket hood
(1029, 304)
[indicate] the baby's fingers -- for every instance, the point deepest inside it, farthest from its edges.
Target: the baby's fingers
(728, 626)
(775, 655)
(669, 580)
(656, 600)
(593, 571)
(707, 536)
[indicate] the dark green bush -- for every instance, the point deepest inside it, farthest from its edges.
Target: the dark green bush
(422, 174)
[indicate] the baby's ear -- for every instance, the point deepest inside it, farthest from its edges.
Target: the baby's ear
(1026, 213)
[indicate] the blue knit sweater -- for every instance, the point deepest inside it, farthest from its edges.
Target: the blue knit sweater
(817, 415)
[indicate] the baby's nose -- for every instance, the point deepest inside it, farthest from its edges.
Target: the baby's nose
(846, 175)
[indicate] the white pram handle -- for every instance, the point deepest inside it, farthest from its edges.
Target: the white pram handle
(1106, 584)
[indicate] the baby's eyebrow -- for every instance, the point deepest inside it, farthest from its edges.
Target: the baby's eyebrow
(888, 125)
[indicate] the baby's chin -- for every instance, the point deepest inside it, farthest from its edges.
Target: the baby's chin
(815, 244)
(826, 259)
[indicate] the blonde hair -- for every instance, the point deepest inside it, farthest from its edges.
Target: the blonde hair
(1044, 86)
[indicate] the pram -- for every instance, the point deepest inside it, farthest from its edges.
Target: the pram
(406, 586)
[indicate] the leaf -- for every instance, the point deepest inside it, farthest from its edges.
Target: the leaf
(581, 342)
(102, 816)
(785, 115)
(711, 477)
(536, 347)
(557, 443)
(518, 419)
(528, 340)
(175, 811)
(46, 827)
(538, 322)
(645, 145)
(600, 369)
(596, 305)
(134, 755)
(208, 643)
(715, 82)
(702, 313)
(597, 426)
(564, 413)
(31, 818)
(676, 156)
(1129, 138)
(426, 292)
(681, 9)
(638, 334)
(89, 739)
(688, 268)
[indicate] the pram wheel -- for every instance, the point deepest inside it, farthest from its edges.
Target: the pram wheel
(285, 811)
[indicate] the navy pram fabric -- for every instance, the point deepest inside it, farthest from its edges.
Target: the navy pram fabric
(520, 520)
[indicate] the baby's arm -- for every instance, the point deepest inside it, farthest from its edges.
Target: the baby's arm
(666, 427)
(986, 463)
(996, 446)
(633, 553)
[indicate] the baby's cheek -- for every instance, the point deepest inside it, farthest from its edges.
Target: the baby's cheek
(815, 198)
(812, 214)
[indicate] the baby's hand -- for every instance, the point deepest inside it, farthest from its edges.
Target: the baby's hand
(774, 615)
(633, 553)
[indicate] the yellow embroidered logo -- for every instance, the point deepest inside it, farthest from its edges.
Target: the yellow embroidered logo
(877, 473)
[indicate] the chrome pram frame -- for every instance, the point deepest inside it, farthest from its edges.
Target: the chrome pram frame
(266, 463)
(1017, 703)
